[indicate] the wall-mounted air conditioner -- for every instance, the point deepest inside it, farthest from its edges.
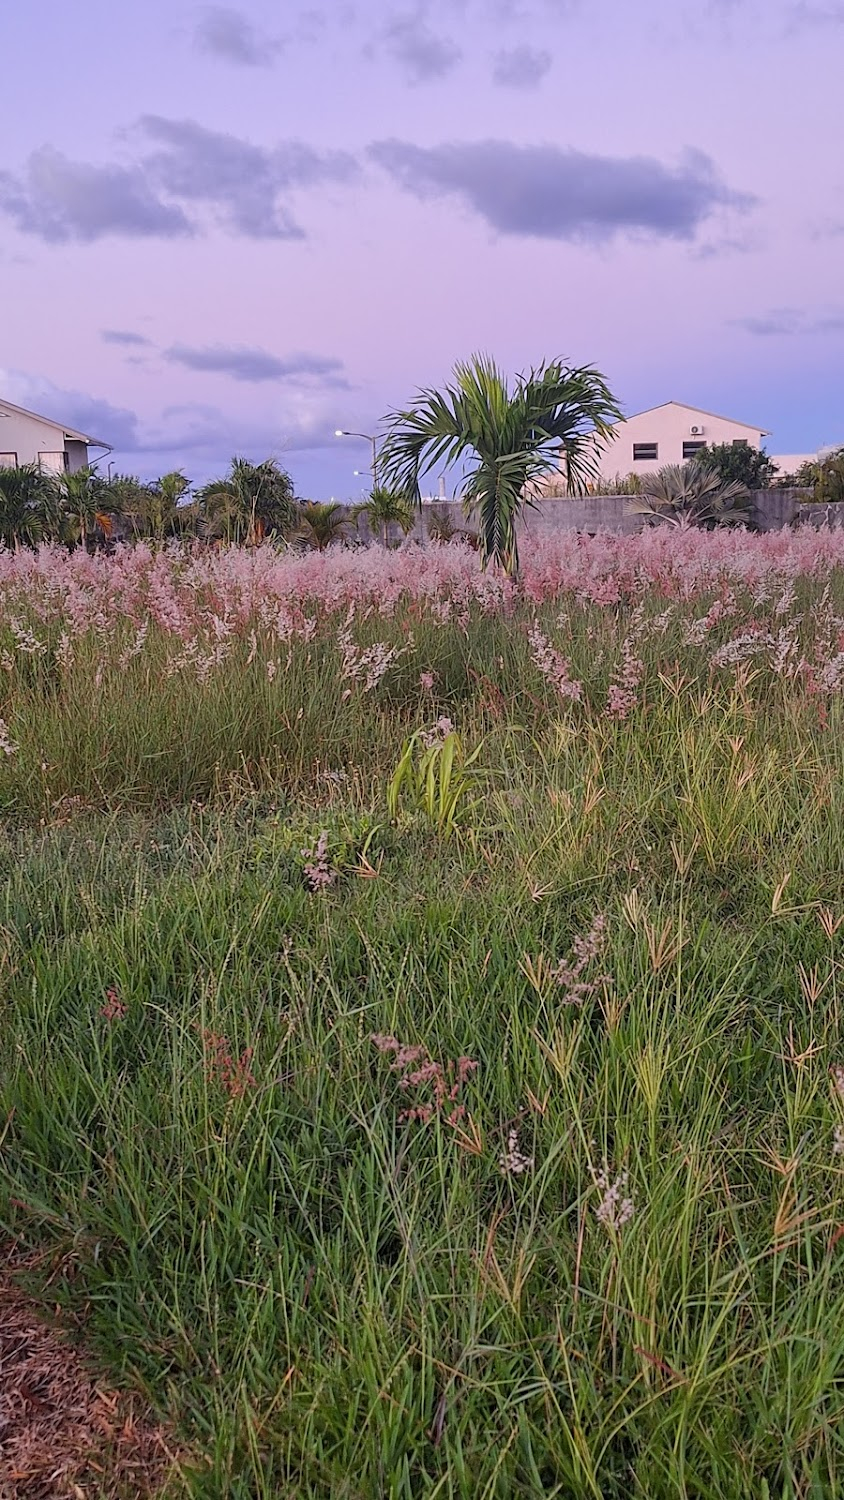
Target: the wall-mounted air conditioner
(696, 431)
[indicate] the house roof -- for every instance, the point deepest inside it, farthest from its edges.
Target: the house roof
(699, 411)
(69, 432)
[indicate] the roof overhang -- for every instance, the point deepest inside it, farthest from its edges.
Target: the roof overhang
(69, 433)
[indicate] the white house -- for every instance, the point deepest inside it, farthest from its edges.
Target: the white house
(669, 434)
(26, 438)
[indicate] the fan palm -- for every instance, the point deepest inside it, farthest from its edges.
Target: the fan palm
(252, 502)
(385, 508)
(27, 495)
(555, 415)
(692, 494)
(322, 522)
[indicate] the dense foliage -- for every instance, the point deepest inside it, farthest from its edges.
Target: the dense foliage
(739, 463)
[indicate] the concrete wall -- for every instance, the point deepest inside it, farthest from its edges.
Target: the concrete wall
(771, 511)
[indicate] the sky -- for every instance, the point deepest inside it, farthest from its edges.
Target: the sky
(233, 229)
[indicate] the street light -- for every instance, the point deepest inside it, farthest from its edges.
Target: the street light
(368, 438)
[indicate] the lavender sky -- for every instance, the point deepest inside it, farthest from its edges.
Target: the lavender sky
(233, 229)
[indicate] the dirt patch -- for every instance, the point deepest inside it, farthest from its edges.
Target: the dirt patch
(64, 1435)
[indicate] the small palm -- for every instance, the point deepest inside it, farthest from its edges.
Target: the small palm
(508, 439)
(251, 502)
(385, 508)
(28, 499)
(322, 522)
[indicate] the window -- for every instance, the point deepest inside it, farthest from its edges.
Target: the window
(53, 463)
(8, 460)
(740, 443)
(690, 449)
(645, 450)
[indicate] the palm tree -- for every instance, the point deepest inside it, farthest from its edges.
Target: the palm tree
(253, 501)
(162, 503)
(27, 496)
(86, 504)
(554, 413)
(127, 497)
(692, 494)
(385, 508)
(322, 522)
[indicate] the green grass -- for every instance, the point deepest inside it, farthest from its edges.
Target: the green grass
(333, 1301)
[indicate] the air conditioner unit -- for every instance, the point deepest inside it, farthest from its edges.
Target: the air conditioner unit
(696, 431)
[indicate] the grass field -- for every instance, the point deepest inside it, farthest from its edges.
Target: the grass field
(455, 1118)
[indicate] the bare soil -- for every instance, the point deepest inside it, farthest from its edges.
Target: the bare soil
(64, 1433)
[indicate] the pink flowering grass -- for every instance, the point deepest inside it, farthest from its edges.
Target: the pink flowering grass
(150, 678)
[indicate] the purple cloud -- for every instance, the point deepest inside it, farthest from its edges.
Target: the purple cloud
(123, 336)
(59, 200)
(420, 51)
(786, 322)
(243, 182)
(521, 67)
(229, 35)
(256, 365)
(552, 193)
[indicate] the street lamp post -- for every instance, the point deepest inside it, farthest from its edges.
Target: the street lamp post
(368, 438)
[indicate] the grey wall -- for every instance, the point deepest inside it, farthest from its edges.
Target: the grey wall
(771, 510)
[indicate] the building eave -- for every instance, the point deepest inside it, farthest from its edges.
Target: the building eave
(69, 433)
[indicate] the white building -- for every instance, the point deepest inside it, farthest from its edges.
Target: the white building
(669, 434)
(26, 438)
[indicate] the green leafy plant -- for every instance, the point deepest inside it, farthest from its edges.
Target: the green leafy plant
(692, 494)
(739, 462)
(322, 522)
(385, 508)
(829, 479)
(554, 416)
(252, 502)
(27, 498)
(435, 776)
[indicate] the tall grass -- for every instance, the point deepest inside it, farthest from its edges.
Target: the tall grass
(333, 1298)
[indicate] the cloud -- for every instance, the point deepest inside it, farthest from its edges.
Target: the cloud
(241, 181)
(552, 193)
(229, 35)
(521, 67)
(213, 433)
(420, 51)
(188, 167)
(122, 336)
(256, 365)
(60, 200)
(116, 425)
(810, 15)
(786, 322)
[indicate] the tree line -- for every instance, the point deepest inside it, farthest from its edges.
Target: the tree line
(504, 439)
(249, 504)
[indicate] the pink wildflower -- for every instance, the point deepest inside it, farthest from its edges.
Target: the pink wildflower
(553, 666)
(318, 869)
(114, 1008)
(233, 1074)
(443, 1081)
(569, 972)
